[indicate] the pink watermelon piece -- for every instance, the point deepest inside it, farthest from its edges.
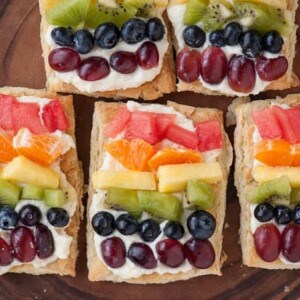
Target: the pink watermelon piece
(6, 120)
(294, 119)
(163, 123)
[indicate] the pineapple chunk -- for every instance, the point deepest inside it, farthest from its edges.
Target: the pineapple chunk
(176, 2)
(277, 3)
(21, 169)
(266, 173)
(173, 178)
(161, 3)
(105, 179)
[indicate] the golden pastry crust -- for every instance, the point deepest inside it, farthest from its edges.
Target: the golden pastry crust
(72, 168)
(244, 151)
(98, 271)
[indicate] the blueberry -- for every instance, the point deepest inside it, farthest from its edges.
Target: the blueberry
(194, 36)
(272, 42)
(62, 36)
(251, 43)
(83, 41)
(201, 224)
(103, 223)
(264, 212)
(8, 218)
(174, 230)
(133, 31)
(149, 230)
(127, 224)
(58, 217)
(282, 214)
(232, 33)
(155, 29)
(217, 39)
(107, 35)
(296, 214)
(30, 215)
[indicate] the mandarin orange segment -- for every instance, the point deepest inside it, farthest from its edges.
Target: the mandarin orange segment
(7, 152)
(42, 149)
(170, 156)
(133, 155)
(296, 155)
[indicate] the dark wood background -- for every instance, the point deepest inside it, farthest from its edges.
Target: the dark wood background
(22, 65)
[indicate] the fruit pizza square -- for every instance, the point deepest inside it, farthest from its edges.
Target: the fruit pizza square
(234, 47)
(108, 48)
(267, 177)
(40, 183)
(157, 193)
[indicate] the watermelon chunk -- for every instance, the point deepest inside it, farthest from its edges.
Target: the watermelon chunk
(210, 135)
(294, 119)
(163, 123)
(6, 120)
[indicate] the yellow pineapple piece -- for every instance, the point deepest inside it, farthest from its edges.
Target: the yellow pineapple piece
(104, 179)
(175, 2)
(265, 173)
(161, 3)
(277, 3)
(173, 178)
(21, 169)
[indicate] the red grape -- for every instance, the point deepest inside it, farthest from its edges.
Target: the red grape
(63, 59)
(200, 253)
(23, 245)
(188, 65)
(241, 74)
(93, 68)
(6, 256)
(147, 55)
(271, 69)
(267, 241)
(44, 241)
(114, 252)
(213, 65)
(123, 62)
(142, 255)
(170, 252)
(291, 243)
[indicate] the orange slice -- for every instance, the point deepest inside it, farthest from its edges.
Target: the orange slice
(170, 156)
(7, 152)
(42, 149)
(133, 155)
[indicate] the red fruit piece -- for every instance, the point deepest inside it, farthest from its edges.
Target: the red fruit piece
(210, 135)
(271, 69)
(44, 241)
(123, 62)
(188, 65)
(291, 243)
(294, 119)
(267, 241)
(163, 123)
(6, 120)
(213, 63)
(142, 255)
(241, 74)
(113, 252)
(147, 55)
(63, 59)
(6, 256)
(93, 68)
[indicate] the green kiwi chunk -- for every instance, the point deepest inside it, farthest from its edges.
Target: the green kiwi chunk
(295, 196)
(124, 199)
(30, 191)
(9, 193)
(145, 8)
(54, 197)
(195, 10)
(165, 206)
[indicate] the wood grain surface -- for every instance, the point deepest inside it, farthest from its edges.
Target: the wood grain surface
(22, 65)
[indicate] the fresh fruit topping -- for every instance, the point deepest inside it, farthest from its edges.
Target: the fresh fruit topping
(296, 214)
(7, 152)
(30, 191)
(293, 116)
(30, 215)
(147, 56)
(232, 33)
(133, 31)
(173, 178)
(264, 212)
(6, 257)
(217, 39)
(44, 241)
(188, 65)
(54, 197)
(142, 255)
(155, 29)
(83, 41)
(9, 218)
(58, 217)
(6, 104)
(273, 42)
(35, 174)
(123, 62)
(163, 121)
(295, 196)
(164, 206)
(282, 214)
(200, 254)
(107, 35)
(149, 230)
(124, 199)
(9, 193)
(213, 64)
(174, 230)
(62, 36)
(63, 59)
(93, 69)
(291, 243)
(170, 252)
(195, 10)
(194, 36)
(113, 252)
(103, 223)
(267, 241)
(23, 244)
(251, 43)
(126, 224)
(271, 69)
(241, 74)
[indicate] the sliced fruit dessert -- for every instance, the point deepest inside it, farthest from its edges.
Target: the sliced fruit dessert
(233, 48)
(157, 192)
(40, 193)
(267, 177)
(115, 48)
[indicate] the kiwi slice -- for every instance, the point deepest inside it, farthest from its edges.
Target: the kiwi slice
(200, 194)
(124, 199)
(195, 10)
(295, 196)
(54, 197)
(30, 191)
(276, 191)
(145, 8)
(161, 205)
(9, 193)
